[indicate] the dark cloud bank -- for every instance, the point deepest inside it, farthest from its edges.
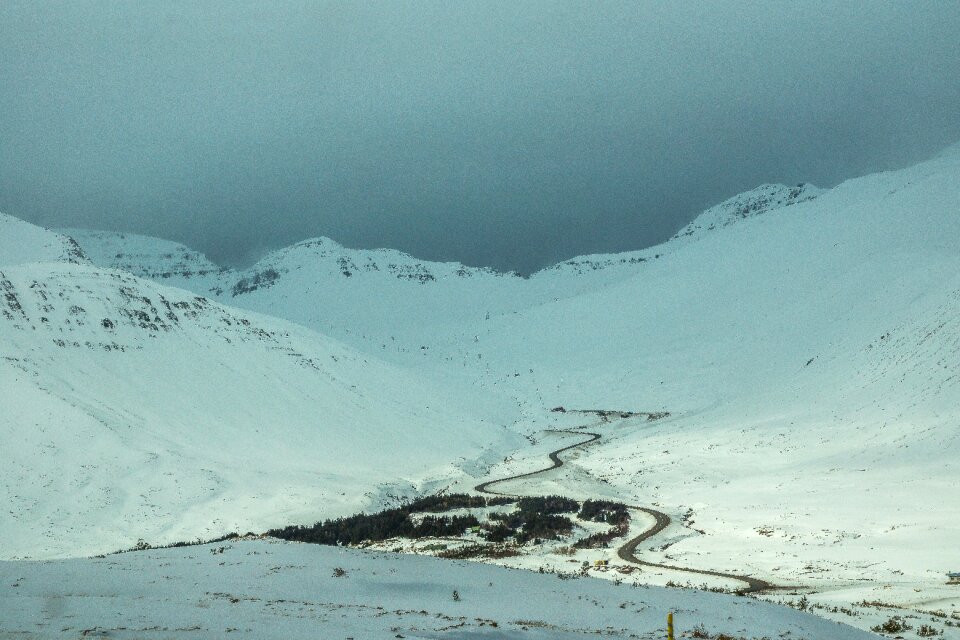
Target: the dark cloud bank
(494, 133)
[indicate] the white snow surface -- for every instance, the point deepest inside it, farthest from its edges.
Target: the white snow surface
(766, 197)
(281, 590)
(22, 242)
(147, 257)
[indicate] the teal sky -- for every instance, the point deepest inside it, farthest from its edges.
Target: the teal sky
(505, 134)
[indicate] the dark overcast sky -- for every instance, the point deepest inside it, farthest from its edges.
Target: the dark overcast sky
(495, 133)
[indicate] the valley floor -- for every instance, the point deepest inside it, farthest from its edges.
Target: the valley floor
(843, 578)
(267, 588)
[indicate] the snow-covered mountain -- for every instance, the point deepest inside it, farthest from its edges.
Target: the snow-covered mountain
(22, 242)
(379, 297)
(316, 282)
(805, 343)
(765, 198)
(146, 257)
(780, 292)
(131, 409)
(810, 358)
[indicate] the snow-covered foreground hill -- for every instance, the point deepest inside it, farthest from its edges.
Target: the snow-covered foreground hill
(133, 410)
(250, 589)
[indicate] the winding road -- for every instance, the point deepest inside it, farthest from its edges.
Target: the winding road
(555, 460)
(627, 552)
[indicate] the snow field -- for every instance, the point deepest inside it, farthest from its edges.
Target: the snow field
(264, 589)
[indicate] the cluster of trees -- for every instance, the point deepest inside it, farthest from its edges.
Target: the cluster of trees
(448, 502)
(436, 526)
(393, 523)
(534, 518)
(604, 511)
(350, 530)
(547, 505)
(602, 539)
(613, 513)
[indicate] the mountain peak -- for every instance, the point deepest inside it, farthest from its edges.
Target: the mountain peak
(22, 242)
(748, 204)
(143, 256)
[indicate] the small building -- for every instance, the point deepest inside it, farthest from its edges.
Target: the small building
(953, 577)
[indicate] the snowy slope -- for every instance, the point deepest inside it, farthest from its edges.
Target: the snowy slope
(773, 302)
(254, 589)
(719, 317)
(781, 304)
(133, 410)
(382, 295)
(22, 242)
(742, 310)
(758, 201)
(370, 298)
(808, 351)
(167, 262)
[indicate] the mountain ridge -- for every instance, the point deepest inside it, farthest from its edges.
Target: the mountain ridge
(168, 258)
(135, 410)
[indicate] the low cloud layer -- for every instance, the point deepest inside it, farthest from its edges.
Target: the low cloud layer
(494, 133)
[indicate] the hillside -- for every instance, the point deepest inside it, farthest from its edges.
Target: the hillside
(746, 306)
(165, 261)
(263, 589)
(22, 242)
(133, 410)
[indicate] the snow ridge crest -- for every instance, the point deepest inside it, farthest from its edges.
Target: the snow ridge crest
(749, 204)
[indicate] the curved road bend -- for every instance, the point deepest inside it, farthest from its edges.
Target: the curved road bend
(555, 460)
(627, 552)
